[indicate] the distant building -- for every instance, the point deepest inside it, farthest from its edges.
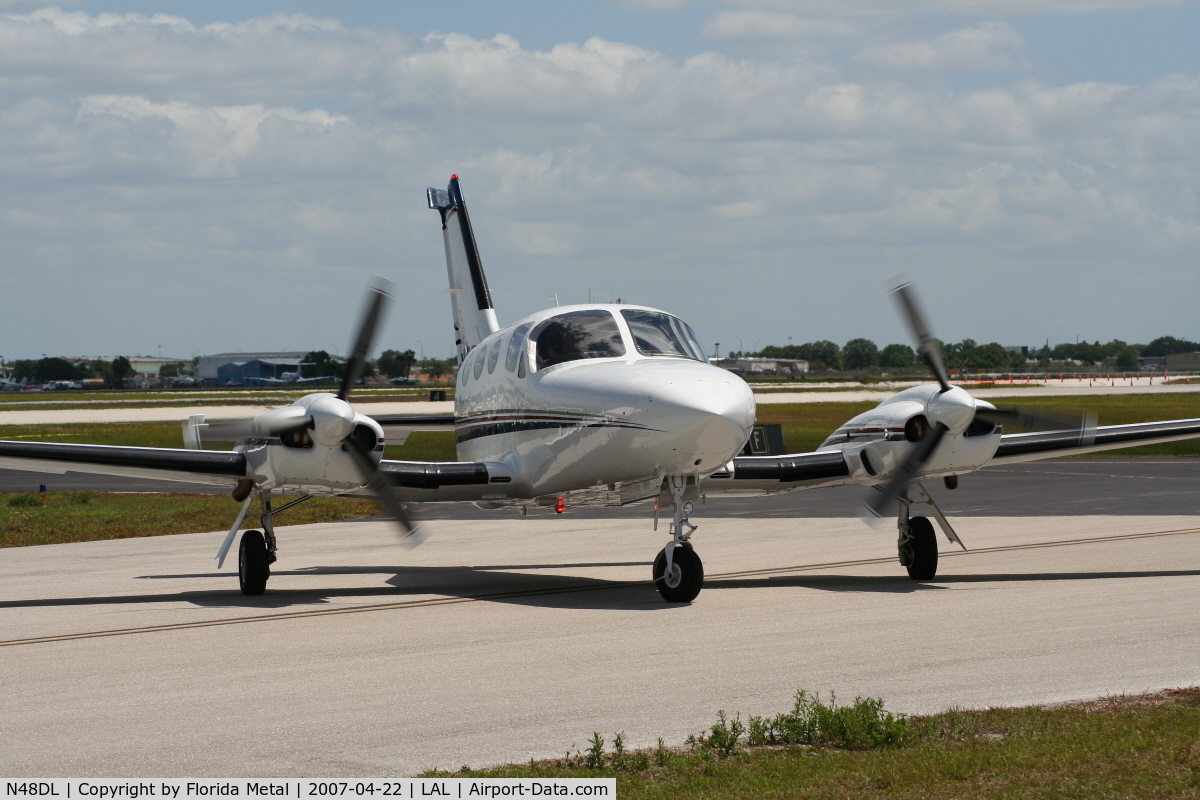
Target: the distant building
(209, 367)
(1185, 361)
(762, 366)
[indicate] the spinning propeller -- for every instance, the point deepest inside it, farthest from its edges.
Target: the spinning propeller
(376, 481)
(952, 408)
(329, 420)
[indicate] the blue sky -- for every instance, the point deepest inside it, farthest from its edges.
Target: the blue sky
(227, 178)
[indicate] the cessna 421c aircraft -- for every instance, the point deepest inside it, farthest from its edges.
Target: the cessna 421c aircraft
(588, 405)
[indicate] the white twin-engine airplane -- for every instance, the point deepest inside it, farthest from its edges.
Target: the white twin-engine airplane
(588, 405)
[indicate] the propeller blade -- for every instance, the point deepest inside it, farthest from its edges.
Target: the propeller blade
(927, 346)
(873, 507)
(377, 299)
(1041, 419)
(384, 492)
(234, 430)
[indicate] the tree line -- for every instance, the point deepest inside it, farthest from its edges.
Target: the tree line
(43, 370)
(969, 355)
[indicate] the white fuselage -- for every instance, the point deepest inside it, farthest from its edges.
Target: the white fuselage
(595, 420)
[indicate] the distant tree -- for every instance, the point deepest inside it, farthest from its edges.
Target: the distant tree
(97, 368)
(397, 364)
(859, 354)
(961, 355)
(823, 355)
(319, 363)
(121, 369)
(171, 370)
(897, 356)
(24, 368)
(1128, 358)
(56, 369)
(991, 356)
(1169, 345)
(435, 368)
(792, 351)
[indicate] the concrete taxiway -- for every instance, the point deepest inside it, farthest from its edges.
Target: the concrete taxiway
(502, 640)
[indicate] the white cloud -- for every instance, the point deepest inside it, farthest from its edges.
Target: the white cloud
(991, 46)
(775, 25)
(159, 175)
(914, 7)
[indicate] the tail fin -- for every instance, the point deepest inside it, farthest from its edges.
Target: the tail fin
(474, 317)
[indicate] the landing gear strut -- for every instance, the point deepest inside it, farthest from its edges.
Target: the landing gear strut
(917, 544)
(678, 571)
(257, 550)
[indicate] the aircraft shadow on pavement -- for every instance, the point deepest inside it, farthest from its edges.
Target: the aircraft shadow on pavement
(547, 591)
(405, 584)
(900, 584)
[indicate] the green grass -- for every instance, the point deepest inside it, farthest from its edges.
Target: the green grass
(92, 516)
(66, 401)
(1141, 747)
(805, 425)
(135, 434)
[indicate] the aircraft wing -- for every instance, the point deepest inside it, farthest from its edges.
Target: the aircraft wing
(430, 481)
(1016, 447)
(760, 474)
(217, 467)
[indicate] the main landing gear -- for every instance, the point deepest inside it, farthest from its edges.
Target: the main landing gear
(678, 571)
(257, 550)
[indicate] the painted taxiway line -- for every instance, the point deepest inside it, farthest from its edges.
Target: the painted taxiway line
(564, 590)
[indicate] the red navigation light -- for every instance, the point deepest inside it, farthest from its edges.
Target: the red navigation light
(560, 505)
(453, 177)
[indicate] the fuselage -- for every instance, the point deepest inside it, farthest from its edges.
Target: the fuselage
(578, 396)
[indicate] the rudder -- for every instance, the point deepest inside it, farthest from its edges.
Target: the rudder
(474, 316)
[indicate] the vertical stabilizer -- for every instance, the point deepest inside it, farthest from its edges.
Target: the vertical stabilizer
(474, 317)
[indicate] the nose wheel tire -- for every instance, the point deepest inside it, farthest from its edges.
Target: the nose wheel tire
(254, 563)
(924, 549)
(683, 583)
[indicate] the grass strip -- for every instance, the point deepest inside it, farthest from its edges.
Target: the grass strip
(82, 516)
(1145, 746)
(805, 425)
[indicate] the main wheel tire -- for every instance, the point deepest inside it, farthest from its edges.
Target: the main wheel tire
(686, 578)
(925, 549)
(254, 564)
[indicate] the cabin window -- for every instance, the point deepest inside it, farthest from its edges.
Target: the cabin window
(477, 367)
(658, 334)
(493, 356)
(577, 335)
(515, 346)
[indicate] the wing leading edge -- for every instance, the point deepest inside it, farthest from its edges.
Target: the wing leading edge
(824, 468)
(222, 468)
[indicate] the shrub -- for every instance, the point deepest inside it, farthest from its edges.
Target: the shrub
(861, 726)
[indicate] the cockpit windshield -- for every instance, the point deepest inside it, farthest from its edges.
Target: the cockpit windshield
(575, 335)
(658, 334)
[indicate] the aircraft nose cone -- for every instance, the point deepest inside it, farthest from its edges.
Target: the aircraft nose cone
(705, 418)
(333, 419)
(955, 409)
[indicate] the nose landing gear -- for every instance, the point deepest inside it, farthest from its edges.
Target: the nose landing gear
(256, 551)
(678, 571)
(917, 542)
